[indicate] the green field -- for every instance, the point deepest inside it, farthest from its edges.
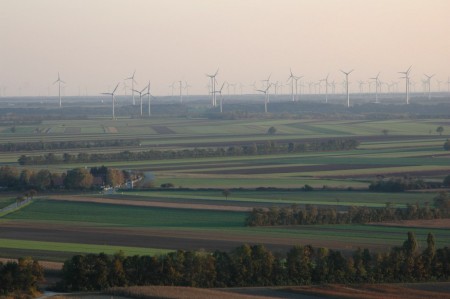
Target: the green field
(277, 197)
(209, 224)
(412, 148)
(76, 248)
(125, 216)
(6, 201)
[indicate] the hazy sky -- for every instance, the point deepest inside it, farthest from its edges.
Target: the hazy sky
(96, 43)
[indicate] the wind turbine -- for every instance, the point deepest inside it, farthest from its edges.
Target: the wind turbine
(429, 85)
(346, 84)
(181, 91)
(140, 95)
(326, 87)
(268, 84)
(213, 86)
(292, 78)
(132, 85)
(125, 88)
(112, 96)
(149, 96)
(221, 97)
(377, 83)
(266, 98)
(406, 73)
(59, 81)
(241, 86)
(187, 86)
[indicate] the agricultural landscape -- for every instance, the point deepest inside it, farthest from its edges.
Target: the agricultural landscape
(206, 175)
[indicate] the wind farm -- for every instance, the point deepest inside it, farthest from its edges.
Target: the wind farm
(225, 149)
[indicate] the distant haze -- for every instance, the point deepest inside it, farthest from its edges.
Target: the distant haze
(96, 43)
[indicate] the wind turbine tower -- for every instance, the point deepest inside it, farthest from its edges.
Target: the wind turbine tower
(59, 81)
(149, 95)
(140, 95)
(181, 91)
(377, 84)
(406, 73)
(429, 85)
(346, 85)
(132, 86)
(266, 98)
(113, 100)
(213, 86)
(326, 87)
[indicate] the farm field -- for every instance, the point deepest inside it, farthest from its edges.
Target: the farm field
(6, 201)
(196, 215)
(411, 148)
(122, 225)
(365, 291)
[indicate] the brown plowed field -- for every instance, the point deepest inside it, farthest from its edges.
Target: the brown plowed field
(147, 237)
(163, 130)
(433, 223)
(424, 173)
(297, 168)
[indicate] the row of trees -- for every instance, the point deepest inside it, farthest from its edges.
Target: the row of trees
(296, 215)
(74, 179)
(257, 266)
(70, 144)
(401, 184)
(269, 147)
(21, 276)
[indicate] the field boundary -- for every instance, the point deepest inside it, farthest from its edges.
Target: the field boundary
(15, 207)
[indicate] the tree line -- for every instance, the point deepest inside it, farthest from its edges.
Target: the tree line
(402, 184)
(310, 214)
(269, 147)
(21, 276)
(73, 179)
(255, 265)
(58, 145)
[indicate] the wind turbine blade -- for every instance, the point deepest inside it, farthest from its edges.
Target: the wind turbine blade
(115, 88)
(215, 74)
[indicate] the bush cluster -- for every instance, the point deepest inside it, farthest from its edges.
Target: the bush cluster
(21, 276)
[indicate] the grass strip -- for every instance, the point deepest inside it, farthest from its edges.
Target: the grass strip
(78, 248)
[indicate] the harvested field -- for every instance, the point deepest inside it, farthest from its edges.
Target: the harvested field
(433, 223)
(163, 130)
(72, 130)
(376, 291)
(150, 203)
(112, 130)
(423, 173)
(175, 292)
(297, 168)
